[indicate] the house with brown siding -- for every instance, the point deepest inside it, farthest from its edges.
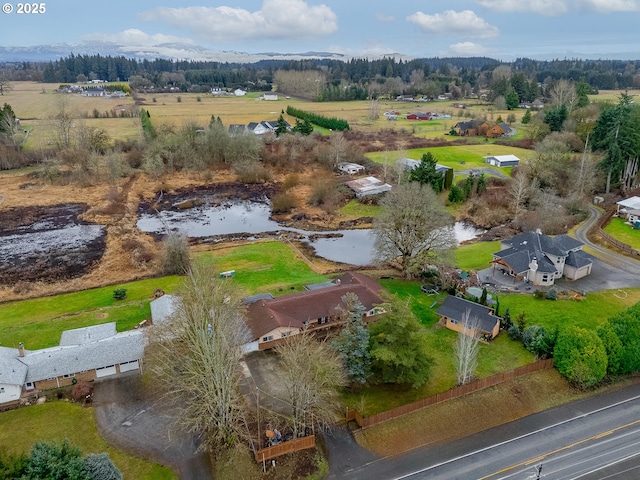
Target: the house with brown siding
(272, 319)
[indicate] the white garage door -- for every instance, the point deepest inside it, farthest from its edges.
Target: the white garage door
(105, 371)
(125, 367)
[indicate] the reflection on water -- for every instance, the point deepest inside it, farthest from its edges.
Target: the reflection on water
(353, 246)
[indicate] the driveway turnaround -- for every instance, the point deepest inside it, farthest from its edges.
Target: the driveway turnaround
(131, 422)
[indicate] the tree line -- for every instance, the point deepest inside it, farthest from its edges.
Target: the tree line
(343, 80)
(332, 123)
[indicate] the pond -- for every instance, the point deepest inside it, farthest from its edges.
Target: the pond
(253, 217)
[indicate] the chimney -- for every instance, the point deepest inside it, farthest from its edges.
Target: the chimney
(21, 349)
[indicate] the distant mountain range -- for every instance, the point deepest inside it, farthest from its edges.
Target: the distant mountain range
(173, 51)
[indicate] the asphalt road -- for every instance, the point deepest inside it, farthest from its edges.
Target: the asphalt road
(595, 438)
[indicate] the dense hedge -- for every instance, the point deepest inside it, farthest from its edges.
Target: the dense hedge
(320, 120)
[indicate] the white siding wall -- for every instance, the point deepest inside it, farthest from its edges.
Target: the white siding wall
(9, 393)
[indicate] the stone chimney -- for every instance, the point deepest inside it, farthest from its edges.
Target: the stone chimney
(21, 349)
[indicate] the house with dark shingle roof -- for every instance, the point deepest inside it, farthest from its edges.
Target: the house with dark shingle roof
(459, 315)
(319, 308)
(540, 259)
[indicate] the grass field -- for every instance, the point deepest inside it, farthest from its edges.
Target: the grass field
(459, 157)
(263, 267)
(622, 231)
(36, 104)
(55, 421)
(356, 209)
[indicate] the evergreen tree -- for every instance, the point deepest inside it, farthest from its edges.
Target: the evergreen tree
(511, 98)
(352, 344)
(281, 127)
(526, 118)
(426, 173)
(398, 351)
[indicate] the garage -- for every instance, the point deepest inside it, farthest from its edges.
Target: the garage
(105, 371)
(128, 366)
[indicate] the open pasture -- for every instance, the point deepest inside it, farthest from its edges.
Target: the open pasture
(459, 157)
(37, 104)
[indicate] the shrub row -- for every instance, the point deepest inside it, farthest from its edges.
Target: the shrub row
(320, 120)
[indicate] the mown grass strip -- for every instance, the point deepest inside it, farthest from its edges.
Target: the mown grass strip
(55, 421)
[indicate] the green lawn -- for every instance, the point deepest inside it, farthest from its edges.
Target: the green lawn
(265, 267)
(588, 313)
(39, 322)
(261, 267)
(458, 157)
(356, 209)
(55, 421)
(475, 256)
(623, 232)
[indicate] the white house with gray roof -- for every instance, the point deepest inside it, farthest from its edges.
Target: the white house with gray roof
(540, 259)
(83, 354)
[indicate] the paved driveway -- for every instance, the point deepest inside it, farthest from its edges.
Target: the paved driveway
(129, 421)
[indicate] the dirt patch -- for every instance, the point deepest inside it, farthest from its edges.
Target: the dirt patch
(48, 243)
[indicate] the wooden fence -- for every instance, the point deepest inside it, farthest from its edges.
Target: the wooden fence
(285, 447)
(456, 392)
(598, 231)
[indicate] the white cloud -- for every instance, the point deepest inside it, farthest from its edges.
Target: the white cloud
(381, 17)
(277, 19)
(542, 7)
(465, 23)
(134, 36)
(607, 6)
(469, 49)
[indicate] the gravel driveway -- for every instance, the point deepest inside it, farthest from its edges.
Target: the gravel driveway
(131, 422)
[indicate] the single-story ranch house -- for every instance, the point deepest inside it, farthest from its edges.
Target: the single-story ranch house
(318, 307)
(540, 259)
(83, 354)
(454, 312)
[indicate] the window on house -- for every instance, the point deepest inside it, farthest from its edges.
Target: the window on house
(267, 339)
(454, 322)
(285, 334)
(69, 375)
(29, 386)
(322, 320)
(1, 389)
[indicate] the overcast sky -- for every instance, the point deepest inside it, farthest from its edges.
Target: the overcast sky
(502, 29)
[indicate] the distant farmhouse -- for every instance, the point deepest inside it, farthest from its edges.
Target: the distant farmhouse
(540, 259)
(410, 164)
(258, 128)
(502, 160)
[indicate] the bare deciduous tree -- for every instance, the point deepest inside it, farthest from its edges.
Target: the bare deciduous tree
(374, 110)
(175, 256)
(466, 349)
(312, 373)
(63, 120)
(194, 358)
(519, 189)
(563, 92)
(338, 148)
(413, 228)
